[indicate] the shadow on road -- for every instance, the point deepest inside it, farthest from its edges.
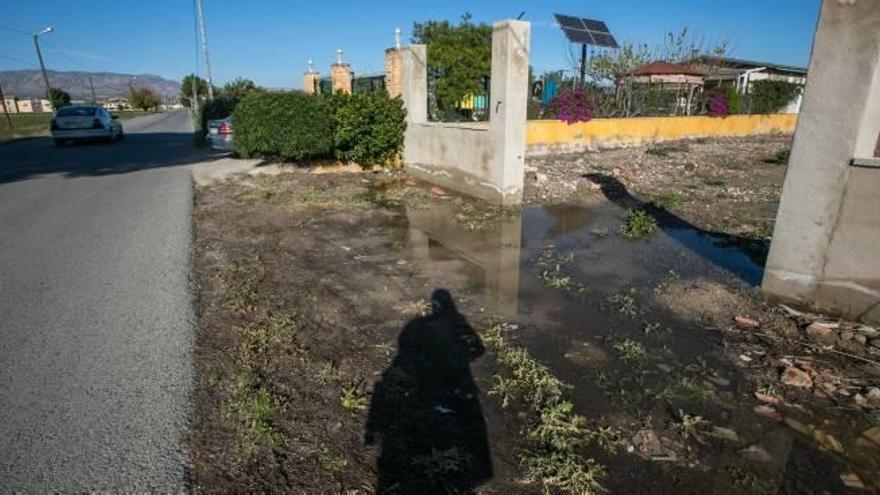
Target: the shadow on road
(426, 413)
(139, 151)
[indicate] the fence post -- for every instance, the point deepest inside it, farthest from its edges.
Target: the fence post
(415, 83)
(507, 107)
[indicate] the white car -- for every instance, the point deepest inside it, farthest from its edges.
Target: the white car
(84, 122)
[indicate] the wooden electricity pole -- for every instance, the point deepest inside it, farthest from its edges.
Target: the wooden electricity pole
(6, 110)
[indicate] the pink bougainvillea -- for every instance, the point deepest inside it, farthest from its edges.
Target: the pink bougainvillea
(718, 104)
(574, 106)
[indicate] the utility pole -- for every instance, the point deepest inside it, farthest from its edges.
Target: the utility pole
(40, 57)
(201, 13)
(92, 85)
(6, 110)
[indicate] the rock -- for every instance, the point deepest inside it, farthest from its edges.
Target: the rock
(719, 380)
(828, 441)
(438, 191)
(768, 399)
(873, 394)
(870, 332)
(796, 377)
(819, 330)
(852, 480)
(768, 412)
(861, 339)
(648, 444)
(746, 322)
(540, 178)
(872, 434)
(875, 343)
(847, 335)
(725, 434)
(664, 367)
(756, 453)
(411, 182)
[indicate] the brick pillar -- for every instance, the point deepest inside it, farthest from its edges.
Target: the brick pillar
(394, 71)
(340, 75)
(310, 82)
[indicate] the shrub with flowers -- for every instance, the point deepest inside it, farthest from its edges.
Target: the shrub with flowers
(718, 104)
(574, 105)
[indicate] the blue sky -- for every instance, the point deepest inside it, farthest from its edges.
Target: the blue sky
(269, 41)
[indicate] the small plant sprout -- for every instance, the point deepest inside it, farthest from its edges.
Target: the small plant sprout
(690, 426)
(631, 351)
(353, 399)
(639, 223)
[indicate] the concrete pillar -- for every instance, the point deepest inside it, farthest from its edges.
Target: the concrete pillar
(340, 77)
(414, 91)
(394, 71)
(826, 244)
(310, 82)
(508, 95)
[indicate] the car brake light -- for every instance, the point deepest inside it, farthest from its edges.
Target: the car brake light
(54, 125)
(96, 124)
(225, 129)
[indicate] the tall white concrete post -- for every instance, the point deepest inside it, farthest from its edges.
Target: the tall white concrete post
(415, 83)
(825, 251)
(508, 102)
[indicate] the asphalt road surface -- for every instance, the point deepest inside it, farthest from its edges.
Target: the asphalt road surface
(96, 311)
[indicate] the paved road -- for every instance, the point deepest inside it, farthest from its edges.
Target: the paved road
(96, 310)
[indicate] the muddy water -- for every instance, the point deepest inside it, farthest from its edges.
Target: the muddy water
(581, 292)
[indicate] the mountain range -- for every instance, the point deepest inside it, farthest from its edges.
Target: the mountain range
(29, 83)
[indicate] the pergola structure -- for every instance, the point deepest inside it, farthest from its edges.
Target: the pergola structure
(663, 76)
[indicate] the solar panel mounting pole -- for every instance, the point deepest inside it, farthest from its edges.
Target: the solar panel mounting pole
(583, 64)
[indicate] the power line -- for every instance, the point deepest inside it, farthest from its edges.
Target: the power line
(66, 55)
(18, 60)
(14, 30)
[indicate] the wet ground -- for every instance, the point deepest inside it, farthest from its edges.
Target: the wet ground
(361, 332)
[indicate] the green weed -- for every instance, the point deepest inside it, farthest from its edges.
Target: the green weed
(690, 426)
(667, 201)
(631, 351)
(353, 399)
(638, 223)
(253, 407)
(624, 302)
(557, 271)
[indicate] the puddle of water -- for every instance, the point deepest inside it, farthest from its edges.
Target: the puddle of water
(578, 332)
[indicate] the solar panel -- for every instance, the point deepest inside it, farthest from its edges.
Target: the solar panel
(569, 21)
(586, 31)
(578, 36)
(604, 40)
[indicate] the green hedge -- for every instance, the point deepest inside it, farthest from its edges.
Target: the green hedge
(768, 96)
(365, 128)
(369, 128)
(285, 126)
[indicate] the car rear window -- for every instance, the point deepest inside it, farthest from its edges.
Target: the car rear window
(77, 111)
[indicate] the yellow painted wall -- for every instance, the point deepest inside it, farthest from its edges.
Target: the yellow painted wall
(554, 135)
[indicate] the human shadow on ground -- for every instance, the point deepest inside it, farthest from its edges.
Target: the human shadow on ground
(743, 256)
(425, 413)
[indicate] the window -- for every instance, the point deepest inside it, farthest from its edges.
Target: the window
(77, 112)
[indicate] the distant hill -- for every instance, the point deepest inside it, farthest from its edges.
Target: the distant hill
(29, 83)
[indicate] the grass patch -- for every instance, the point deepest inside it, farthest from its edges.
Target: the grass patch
(631, 351)
(714, 181)
(667, 201)
(557, 435)
(252, 407)
(685, 389)
(353, 399)
(557, 271)
(638, 223)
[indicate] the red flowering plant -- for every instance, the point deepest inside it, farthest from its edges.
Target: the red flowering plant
(718, 106)
(574, 105)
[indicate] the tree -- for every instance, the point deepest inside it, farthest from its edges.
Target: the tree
(459, 57)
(59, 97)
(186, 89)
(238, 88)
(142, 98)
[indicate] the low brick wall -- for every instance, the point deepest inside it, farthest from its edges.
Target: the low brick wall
(553, 136)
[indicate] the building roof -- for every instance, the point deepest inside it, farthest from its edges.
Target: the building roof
(740, 63)
(661, 68)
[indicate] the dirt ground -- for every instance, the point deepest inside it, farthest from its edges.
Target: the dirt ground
(727, 186)
(367, 333)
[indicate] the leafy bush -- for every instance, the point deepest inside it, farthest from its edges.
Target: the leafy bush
(369, 127)
(638, 223)
(772, 96)
(285, 126)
